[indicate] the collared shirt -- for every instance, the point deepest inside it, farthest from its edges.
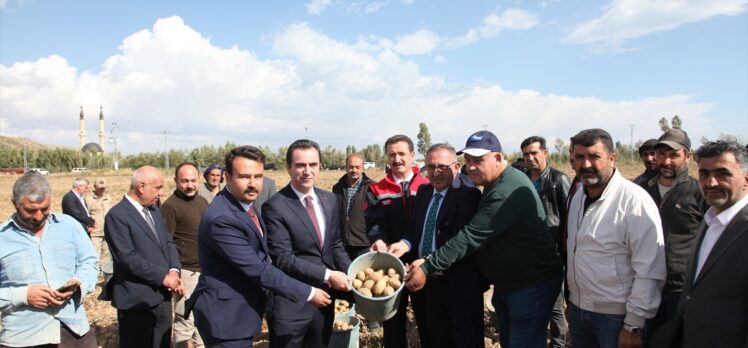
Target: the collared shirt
(317, 208)
(717, 224)
(350, 192)
(407, 178)
(63, 252)
(139, 208)
(423, 233)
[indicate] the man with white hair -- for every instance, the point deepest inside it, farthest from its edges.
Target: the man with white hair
(74, 204)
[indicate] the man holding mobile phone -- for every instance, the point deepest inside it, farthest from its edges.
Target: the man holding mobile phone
(40, 252)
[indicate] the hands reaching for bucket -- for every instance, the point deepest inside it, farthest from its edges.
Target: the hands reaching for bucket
(415, 279)
(320, 298)
(339, 281)
(379, 246)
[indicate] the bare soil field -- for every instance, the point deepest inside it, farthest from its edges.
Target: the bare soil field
(103, 316)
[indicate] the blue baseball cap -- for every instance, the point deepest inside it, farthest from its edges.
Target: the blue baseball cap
(481, 143)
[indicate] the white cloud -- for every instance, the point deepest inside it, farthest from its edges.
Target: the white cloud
(439, 59)
(627, 19)
(408, 2)
(359, 7)
(173, 78)
(316, 7)
(420, 42)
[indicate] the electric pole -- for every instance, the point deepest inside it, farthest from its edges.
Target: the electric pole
(166, 149)
(113, 138)
(631, 125)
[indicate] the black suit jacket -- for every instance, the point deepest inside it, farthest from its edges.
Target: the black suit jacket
(140, 260)
(295, 247)
(72, 206)
(713, 308)
(457, 208)
(232, 293)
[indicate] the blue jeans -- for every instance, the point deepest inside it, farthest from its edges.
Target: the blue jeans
(522, 315)
(590, 329)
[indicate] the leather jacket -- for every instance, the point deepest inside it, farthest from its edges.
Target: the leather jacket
(554, 186)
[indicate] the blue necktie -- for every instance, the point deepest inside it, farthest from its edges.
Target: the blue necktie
(430, 230)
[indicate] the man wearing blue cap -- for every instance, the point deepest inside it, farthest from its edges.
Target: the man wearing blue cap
(513, 248)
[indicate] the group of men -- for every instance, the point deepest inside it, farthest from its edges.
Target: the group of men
(659, 262)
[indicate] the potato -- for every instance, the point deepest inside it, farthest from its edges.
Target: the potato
(357, 283)
(376, 276)
(361, 276)
(388, 291)
(391, 272)
(386, 278)
(396, 276)
(368, 284)
(379, 287)
(364, 291)
(394, 283)
(368, 271)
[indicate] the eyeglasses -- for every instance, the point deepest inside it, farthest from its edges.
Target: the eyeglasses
(439, 167)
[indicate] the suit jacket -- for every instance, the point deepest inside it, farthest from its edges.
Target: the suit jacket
(232, 293)
(140, 260)
(295, 248)
(72, 206)
(268, 189)
(714, 304)
(457, 208)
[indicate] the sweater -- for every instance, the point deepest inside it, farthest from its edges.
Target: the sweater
(182, 217)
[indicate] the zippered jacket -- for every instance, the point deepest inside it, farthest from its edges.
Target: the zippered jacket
(616, 254)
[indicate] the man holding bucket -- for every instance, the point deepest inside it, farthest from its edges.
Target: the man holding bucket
(510, 239)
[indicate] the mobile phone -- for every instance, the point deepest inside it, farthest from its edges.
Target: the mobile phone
(66, 288)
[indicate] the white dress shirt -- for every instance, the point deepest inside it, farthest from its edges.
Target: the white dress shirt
(717, 224)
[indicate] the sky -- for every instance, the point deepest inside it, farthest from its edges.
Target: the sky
(356, 72)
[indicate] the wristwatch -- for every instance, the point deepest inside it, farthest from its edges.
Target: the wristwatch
(634, 330)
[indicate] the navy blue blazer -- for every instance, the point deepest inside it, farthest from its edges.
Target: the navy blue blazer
(232, 293)
(458, 206)
(72, 206)
(295, 248)
(140, 260)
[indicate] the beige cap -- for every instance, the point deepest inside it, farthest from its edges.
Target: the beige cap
(99, 183)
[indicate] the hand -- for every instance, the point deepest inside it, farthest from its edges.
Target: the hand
(378, 246)
(172, 280)
(416, 278)
(63, 296)
(398, 249)
(179, 290)
(89, 229)
(339, 281)
(41, 296)
(628, 340)
(320, 299)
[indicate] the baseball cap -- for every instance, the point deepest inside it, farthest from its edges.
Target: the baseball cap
(99, 183)
(675, 139)
(481, 143)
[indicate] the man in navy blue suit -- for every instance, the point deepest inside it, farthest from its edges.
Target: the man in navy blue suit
(74, 205)
(237, 279)
(146, 263)
(304, 238)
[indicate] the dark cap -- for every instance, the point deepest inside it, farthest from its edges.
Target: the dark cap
(99, 183)
(481, 143)
(648, 145)
(210, 169)
(675, 139)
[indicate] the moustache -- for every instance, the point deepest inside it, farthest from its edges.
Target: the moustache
(588, 171)
(251, 190)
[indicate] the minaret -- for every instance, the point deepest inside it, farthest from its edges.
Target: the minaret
(101, 127)
(82, 133)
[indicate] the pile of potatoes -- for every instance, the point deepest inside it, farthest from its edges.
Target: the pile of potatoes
(341, 325)
(373, 283)
(341, 307)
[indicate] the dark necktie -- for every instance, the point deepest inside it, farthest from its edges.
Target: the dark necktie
(430, 230)
(253, 216)
(313, 217)
(149, 221)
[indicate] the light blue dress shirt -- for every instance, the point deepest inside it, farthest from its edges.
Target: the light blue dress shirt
(64, 251)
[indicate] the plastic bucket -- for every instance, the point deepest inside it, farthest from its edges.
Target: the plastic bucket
(346, 339)
(377, 309)
(350, 312)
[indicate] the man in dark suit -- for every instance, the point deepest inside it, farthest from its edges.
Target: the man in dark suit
(304, 238)
(73, 204)
(146, 263)
(713, 308)
(449, 309)
(233, 290)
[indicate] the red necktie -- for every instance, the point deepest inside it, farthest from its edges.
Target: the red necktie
(253, 216)
(313, 217)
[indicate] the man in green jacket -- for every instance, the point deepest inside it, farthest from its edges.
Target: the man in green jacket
(514, 250)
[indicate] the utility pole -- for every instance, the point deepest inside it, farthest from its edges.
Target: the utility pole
(113, 138)
(166, 149)
(631, 125)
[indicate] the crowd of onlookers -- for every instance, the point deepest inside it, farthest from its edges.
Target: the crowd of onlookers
(658, 261)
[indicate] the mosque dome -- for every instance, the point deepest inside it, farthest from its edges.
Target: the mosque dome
(92, 147)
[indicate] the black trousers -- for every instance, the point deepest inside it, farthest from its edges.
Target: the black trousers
(149, 327)
(302, 332)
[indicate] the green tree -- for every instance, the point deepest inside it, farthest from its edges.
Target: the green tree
(676, 122)
(664, 125)
(424, 138)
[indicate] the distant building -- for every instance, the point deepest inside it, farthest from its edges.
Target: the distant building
(92, 146)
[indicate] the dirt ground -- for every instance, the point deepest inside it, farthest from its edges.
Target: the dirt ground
(102, 315)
